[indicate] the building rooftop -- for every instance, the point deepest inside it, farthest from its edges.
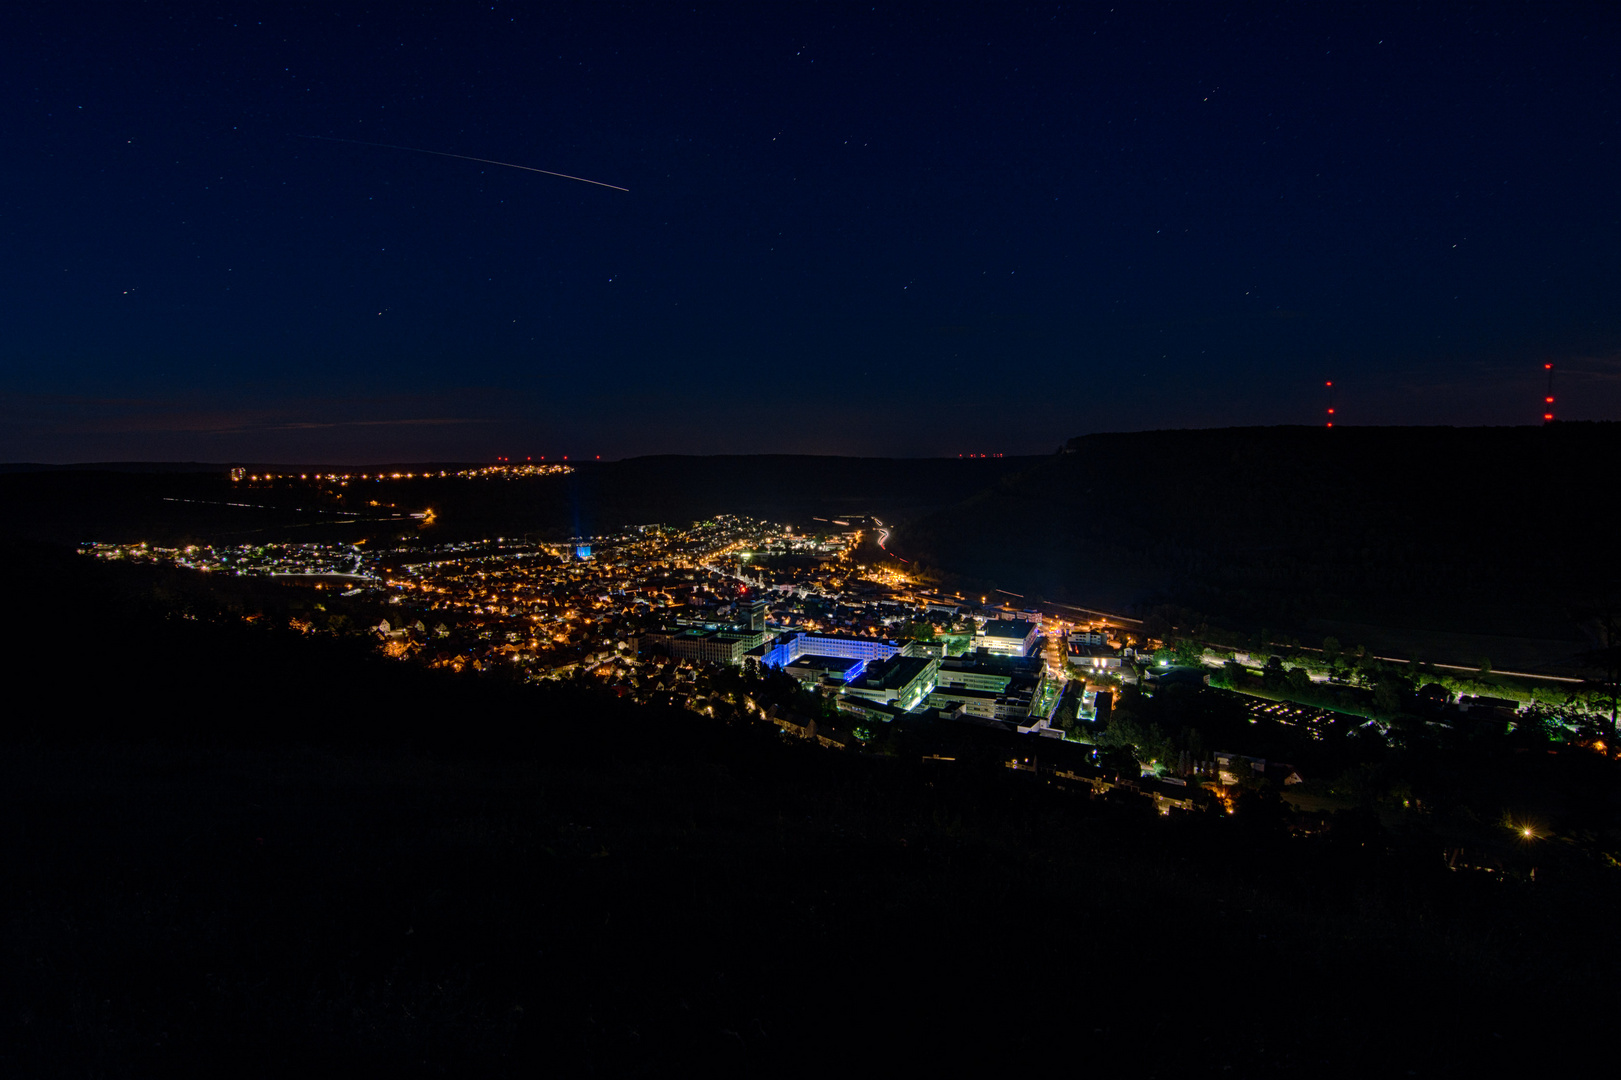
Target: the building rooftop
(835, 665)
(1012, 629)
(993, 664)
(894, 673)
(966, 693)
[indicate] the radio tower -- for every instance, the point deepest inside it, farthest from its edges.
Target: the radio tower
(1547, 401)
(1330, 386)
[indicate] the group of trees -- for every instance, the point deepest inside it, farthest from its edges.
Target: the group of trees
(1183, 650)
(1386, 696)
(1467, 768)
(1361, 684)
(1174, 726)
(918, 630)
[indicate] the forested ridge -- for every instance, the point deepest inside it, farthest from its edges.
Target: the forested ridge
(1304, 532)
(1506, 531)
(176, 507)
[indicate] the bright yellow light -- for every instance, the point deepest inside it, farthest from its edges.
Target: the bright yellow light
(1527, 833)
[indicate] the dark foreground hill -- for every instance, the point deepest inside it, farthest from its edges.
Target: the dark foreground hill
(235, 849)
(1507, 532)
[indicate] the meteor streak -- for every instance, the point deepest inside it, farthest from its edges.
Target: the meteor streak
(463, 157)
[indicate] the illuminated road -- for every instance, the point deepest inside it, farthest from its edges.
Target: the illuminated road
(883, 537)
(1052, 651)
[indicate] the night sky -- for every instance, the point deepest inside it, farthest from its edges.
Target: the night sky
(907, 231)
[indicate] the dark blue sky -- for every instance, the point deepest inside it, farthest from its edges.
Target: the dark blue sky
(912, 230)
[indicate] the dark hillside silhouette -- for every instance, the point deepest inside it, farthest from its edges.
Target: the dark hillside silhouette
(1503, 531)
(227, 843)
(170, 507)
(1449, 543)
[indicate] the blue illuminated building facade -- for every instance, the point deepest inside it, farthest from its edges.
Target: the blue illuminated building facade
(820, 670)
(789, 649)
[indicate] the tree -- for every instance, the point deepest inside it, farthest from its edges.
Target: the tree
(1331, 650)
(1068, 707)
(1128, 730)
(1230, 677)
(1273, 678)
(1260, 808)
(919, 630)
(1118, 760)
(1389, 694)
(1188, 653)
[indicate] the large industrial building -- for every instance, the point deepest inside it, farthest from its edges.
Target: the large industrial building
(1100, 657)
(791, 647)
(815, 671)
(1008, 637)
(701, 645)
(891, 673)
(989, 685)
(902, 681)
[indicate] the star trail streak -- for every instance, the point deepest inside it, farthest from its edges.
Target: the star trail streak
(464, 157)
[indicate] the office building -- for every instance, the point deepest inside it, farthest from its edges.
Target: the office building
(1007, 637)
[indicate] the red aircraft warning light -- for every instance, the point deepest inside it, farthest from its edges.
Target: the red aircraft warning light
(1547, 401)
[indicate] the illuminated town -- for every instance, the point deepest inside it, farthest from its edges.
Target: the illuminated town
(656, 613)
(645, 610)
(501, 471)
(640, 539)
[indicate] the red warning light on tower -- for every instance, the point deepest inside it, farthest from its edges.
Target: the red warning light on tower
(1547, 401)
(1329, 386)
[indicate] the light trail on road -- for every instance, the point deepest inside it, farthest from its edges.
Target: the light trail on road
(883, 535)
